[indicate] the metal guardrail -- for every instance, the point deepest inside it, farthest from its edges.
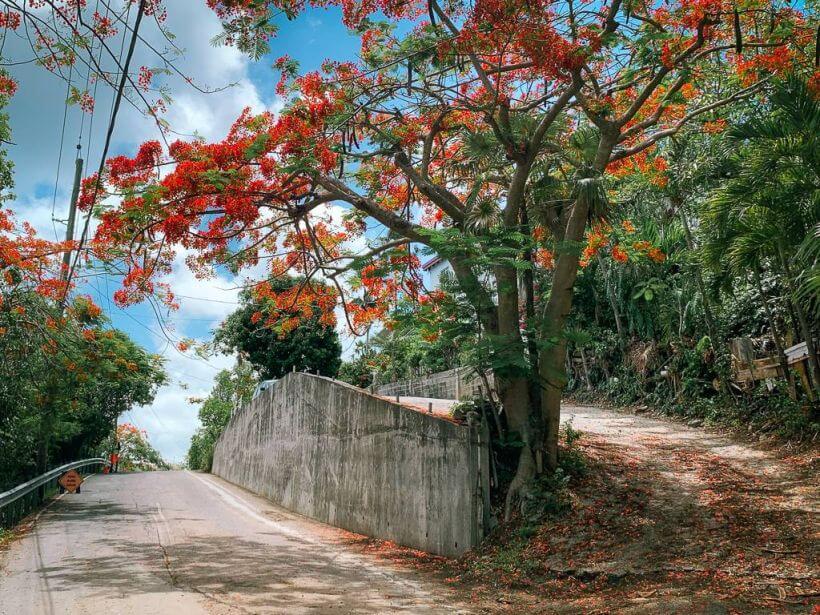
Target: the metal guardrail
(17, 502)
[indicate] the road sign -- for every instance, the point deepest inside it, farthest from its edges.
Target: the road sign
(71, 481)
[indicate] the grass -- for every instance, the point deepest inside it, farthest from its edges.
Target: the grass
(5, 536)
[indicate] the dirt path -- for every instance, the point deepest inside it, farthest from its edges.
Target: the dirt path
(694, 458)
(668, 519)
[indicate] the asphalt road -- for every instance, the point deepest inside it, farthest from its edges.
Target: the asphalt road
(182, 543)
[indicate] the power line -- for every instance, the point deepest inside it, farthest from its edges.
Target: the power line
(111, 124)
(60, 155)
(207, 299)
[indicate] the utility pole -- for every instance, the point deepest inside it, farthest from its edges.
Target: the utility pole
(46, 423)
(72, 211)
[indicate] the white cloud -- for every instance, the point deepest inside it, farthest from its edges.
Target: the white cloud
(36, 115)
(171, 419)
(212, 298)
(37, 110)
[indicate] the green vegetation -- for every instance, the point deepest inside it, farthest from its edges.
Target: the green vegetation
(232, 389)
(717, 241)
(135, 452)
(309, 346)
(60, 406)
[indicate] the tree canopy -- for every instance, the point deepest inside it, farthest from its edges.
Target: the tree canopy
(598, 176)
(232, 389)
(484, 132)
(274, 350)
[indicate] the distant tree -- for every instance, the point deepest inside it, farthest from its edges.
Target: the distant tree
(359, 370)
(275, 349)
(136, 453)
(65, 377)
(232, 387)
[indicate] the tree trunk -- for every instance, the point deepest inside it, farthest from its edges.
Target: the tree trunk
(515, 399)
(529, 310)
(711, 328)
(613, 301)
(502, 321)
(552, 371)
(515, 392)
(586, 368)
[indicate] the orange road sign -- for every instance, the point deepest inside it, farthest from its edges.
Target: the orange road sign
(71, 481)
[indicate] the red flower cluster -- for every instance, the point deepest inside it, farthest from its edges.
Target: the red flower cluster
(8, 86)
(104, 26)
(29, 261)
(144, 78)
(10, 20)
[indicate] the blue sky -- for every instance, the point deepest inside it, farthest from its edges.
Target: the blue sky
(36, 114)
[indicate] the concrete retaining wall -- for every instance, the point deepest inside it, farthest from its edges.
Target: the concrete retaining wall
(334, 453)
(458, 383)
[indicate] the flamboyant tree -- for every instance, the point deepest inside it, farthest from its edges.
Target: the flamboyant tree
(456, 120)
(275, 351)
(89, 45)
(135, 451)
(85, 44)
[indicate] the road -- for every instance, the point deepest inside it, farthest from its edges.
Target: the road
(183, 543)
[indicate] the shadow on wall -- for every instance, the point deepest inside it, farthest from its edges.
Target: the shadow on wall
(335, 453)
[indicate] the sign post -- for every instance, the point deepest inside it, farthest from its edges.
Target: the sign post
(71, 481)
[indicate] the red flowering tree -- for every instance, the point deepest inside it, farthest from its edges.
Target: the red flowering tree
(450, 125)
(82, 44)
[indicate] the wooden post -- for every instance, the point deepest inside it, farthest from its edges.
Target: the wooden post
(800, 366)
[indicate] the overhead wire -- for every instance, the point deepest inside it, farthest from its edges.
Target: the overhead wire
(109, 134)
(60, 154)
(94, 95)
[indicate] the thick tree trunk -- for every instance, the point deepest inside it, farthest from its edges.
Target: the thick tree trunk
(515, 399)
(511, 350)
(514, 390)
(502, 321)
(552, 371)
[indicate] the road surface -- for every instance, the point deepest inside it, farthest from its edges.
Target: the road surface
(181, 543)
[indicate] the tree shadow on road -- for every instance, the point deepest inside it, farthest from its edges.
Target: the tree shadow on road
(272, 574)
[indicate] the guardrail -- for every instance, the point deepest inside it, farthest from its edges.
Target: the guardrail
(16, 503)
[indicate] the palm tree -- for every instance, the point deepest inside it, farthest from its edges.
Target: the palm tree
(762, 215)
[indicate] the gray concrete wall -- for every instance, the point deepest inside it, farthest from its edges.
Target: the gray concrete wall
(458, 383)
(332, 452)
